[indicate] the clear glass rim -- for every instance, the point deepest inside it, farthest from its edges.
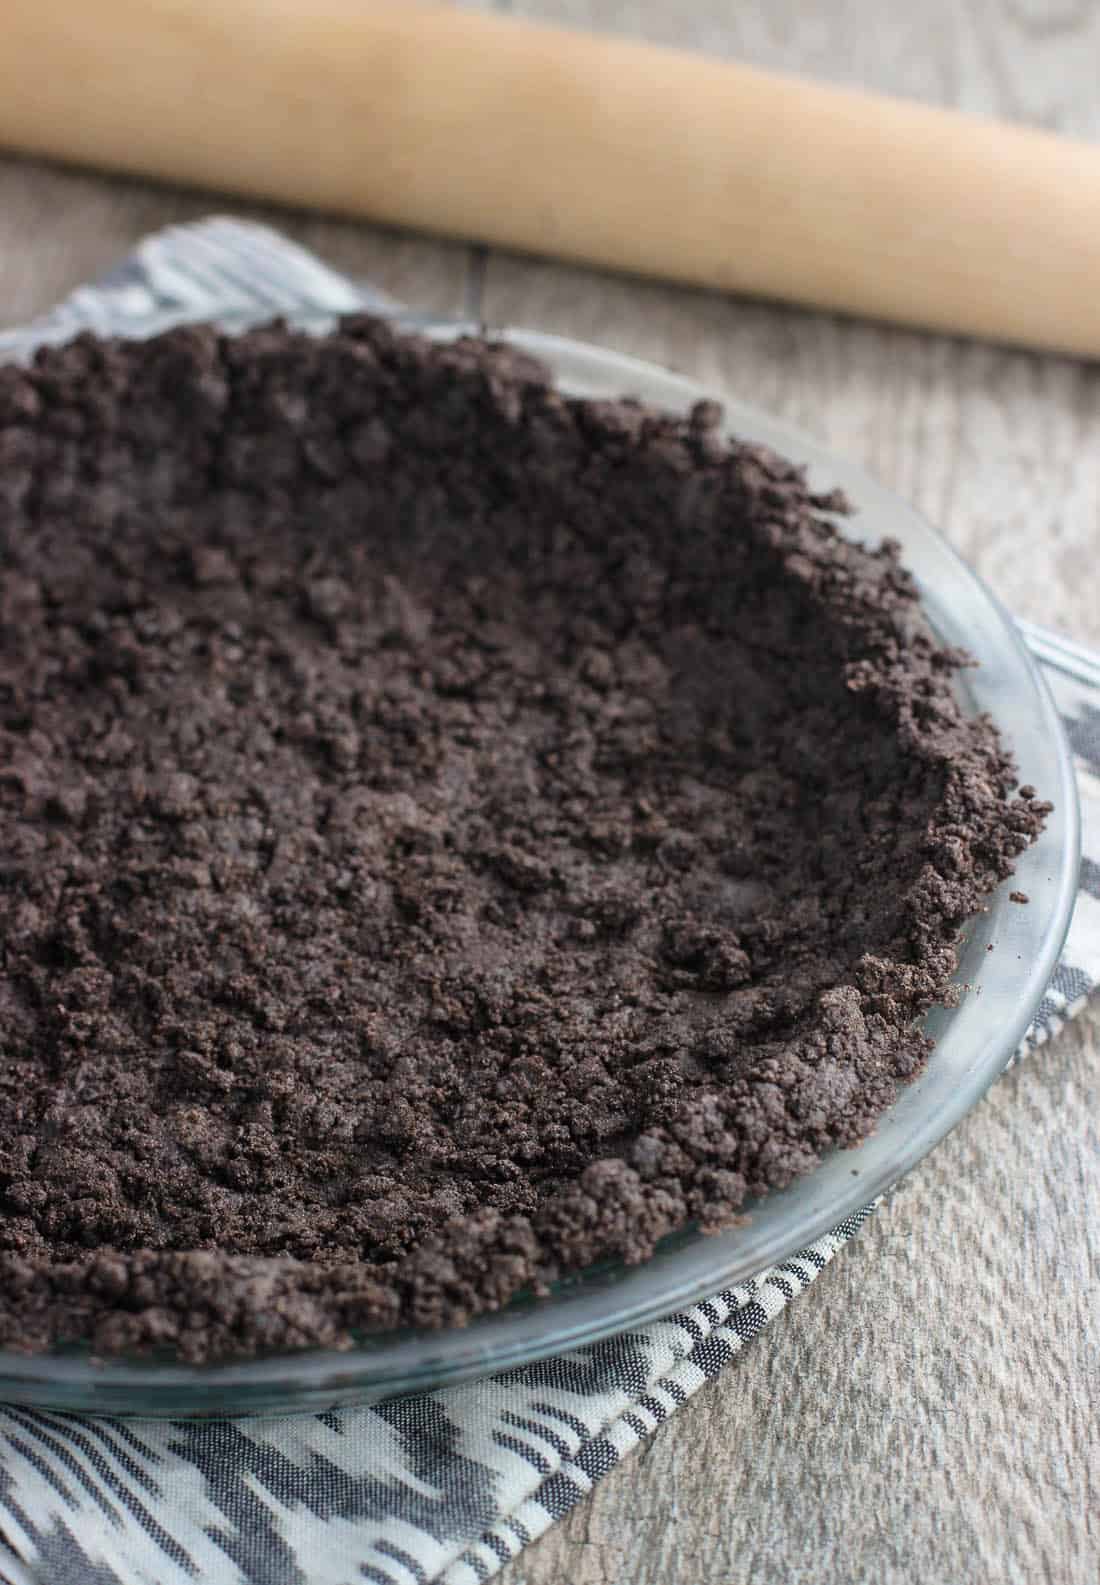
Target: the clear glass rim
(691, 1266)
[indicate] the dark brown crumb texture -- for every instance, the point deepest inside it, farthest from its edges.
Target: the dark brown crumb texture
(451, 834)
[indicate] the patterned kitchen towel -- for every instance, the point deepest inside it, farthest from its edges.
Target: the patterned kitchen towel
(446, 1486)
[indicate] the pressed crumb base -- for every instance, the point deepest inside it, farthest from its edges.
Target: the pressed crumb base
(453, 835)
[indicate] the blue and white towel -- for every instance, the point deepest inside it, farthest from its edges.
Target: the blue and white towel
(447, 1486)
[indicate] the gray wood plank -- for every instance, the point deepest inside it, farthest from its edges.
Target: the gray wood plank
(929, 1410)
(1032, 60)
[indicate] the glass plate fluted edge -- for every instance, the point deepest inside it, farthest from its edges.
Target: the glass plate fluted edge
(973, 1042)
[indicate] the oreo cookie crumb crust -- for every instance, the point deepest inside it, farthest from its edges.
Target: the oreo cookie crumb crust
(452, 834)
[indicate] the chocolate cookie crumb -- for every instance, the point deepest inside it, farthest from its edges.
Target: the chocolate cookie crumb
(1018, 897)
(452, 834)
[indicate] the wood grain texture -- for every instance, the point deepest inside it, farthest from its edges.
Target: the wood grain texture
(929, 1410)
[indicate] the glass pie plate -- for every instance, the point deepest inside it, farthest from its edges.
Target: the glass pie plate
(973, 1041)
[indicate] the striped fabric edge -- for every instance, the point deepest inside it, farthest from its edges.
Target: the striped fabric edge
(1072, 673)
(84, 1466)
(1061, 654)
(719, 1328)
(14, 1572)
(217, 268)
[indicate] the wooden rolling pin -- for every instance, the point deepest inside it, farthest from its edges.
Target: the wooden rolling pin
(588, 148)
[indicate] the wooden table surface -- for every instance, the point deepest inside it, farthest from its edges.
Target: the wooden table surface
(929, 1410)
